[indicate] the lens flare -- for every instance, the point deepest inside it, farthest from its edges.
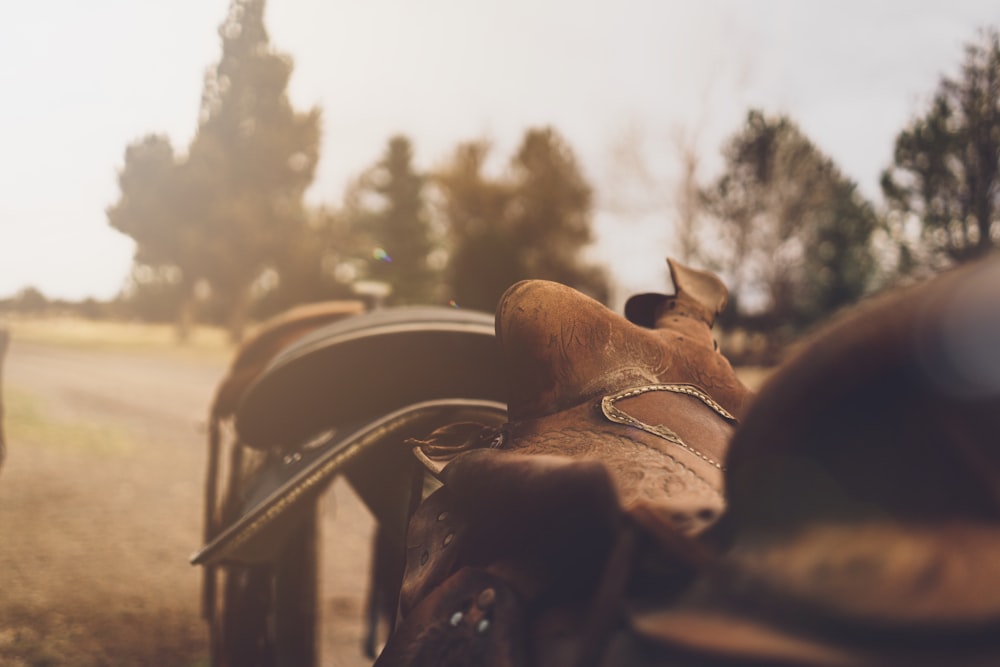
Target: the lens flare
(381, 255)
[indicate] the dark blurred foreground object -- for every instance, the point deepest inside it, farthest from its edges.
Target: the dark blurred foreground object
(863, 490)
(4, 342)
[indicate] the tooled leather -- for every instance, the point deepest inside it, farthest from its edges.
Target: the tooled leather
(565, 354)
(563, 347)
(681, 415)
(643, 467)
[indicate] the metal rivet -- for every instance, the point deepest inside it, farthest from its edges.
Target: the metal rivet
(442, 516)
(483, 626)
(448, 538)
(486, 598)
(424, 557)
(456, 618)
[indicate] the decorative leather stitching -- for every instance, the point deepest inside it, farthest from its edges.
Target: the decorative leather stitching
(616, 415)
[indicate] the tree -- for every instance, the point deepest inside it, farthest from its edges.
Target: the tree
(946, 166)
(225, 213)
(398, 226)
(305, 268)
(531, 223)
(258, 154)
(551, 213)
(158, 209)
(148, 183)
(483, 259)
(794, 232)
(154, 295)
(30, 300)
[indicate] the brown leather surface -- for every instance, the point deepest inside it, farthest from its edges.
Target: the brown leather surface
(544, 502)
(472, 618)
(431, 551)
(565, 351)
(260, 348)
(863, 486)
(562, 348)
(642, 467)
(544, 522)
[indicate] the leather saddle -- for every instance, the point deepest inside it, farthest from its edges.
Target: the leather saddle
(638, 509)
(612, 423)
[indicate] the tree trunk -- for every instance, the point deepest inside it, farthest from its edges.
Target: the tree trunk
(239, 314)
(186, 316)
(4, 340)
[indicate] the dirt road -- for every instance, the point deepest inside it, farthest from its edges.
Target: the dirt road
(100, 507)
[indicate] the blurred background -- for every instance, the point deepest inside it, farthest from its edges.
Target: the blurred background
(216, 162)
(178, 172)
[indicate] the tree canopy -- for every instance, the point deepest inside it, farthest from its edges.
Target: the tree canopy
(225, 213)
(534, 221)
(792, 233)
(482, 260)
(946, 165)
(552, 213)
(392, 226)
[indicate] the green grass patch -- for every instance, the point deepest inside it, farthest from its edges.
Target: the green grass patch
(28, 421)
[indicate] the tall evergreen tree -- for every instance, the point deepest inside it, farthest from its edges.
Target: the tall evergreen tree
(483, 259)
(225, 213)
(400, 228)
(552, 213)
(532, 222)
(946, 166)
(256, 156)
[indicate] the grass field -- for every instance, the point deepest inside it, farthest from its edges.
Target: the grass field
(205, 342)
(27, 419)
(100, 493)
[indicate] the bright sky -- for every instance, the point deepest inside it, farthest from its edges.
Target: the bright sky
(82, 80)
